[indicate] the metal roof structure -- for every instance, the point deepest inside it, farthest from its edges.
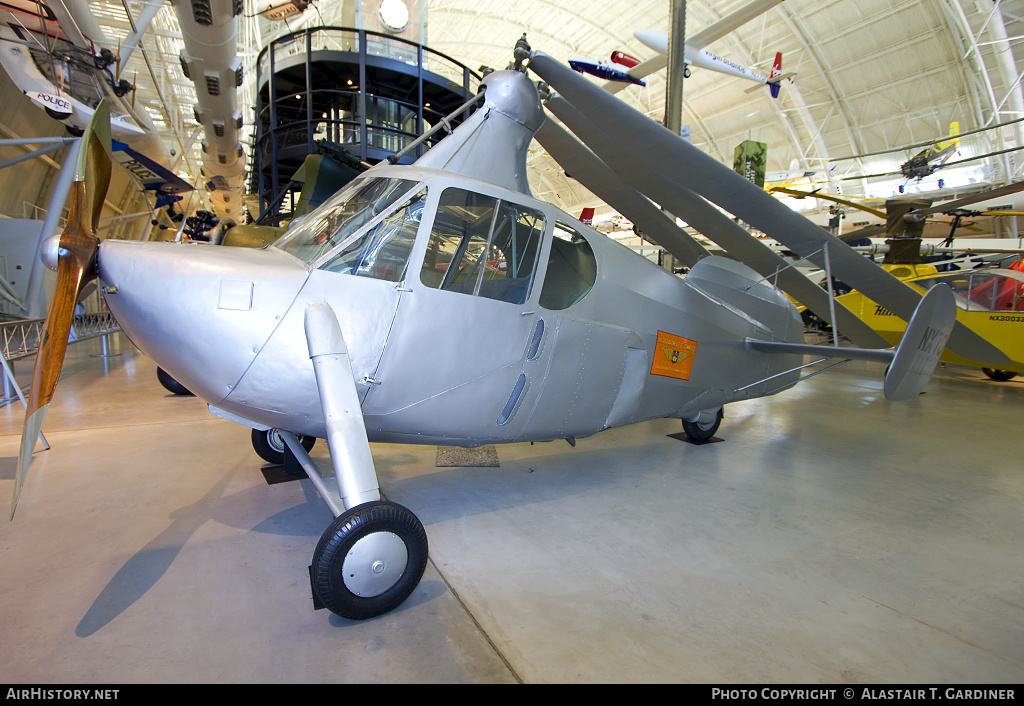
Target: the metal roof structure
(870, 75)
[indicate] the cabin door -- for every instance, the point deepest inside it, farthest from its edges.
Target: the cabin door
(467, 326)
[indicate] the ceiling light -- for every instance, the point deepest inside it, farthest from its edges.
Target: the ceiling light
(394, 14)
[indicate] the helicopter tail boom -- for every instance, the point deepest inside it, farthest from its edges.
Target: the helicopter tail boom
(912, 363)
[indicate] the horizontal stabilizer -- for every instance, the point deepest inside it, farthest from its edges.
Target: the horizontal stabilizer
(911, 364)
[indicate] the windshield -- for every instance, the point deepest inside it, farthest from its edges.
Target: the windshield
(342, 215)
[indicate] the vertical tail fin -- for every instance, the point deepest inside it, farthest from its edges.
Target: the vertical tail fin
(776, 72)
(587, 216)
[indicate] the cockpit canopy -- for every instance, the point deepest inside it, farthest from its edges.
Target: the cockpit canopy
(982, 290)
(476, 244)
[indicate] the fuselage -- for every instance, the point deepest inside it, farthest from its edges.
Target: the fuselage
(472, 314)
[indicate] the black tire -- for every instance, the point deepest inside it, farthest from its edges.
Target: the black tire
(269, 445)
(359, 568)
(999, 375)
(702, 433)
(170, 384)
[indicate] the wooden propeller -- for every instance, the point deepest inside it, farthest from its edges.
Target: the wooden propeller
(76, 267)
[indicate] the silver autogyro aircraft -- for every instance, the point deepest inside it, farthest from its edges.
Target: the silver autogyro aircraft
(439, 303)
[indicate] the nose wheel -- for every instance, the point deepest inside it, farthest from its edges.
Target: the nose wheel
(170, 384)
(269, 445)
(369, 560)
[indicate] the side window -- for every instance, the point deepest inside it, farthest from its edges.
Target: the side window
(382, 252)
(483, 246)
(572, 270)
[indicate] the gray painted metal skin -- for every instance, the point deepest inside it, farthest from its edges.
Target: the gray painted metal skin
(228, 324)
(468, 345)
(440, 367)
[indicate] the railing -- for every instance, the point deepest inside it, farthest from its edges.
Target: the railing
(20, 339)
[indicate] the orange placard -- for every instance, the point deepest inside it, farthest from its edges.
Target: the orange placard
(673, 356)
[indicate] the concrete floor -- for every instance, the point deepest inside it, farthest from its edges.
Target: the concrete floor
(829, 537)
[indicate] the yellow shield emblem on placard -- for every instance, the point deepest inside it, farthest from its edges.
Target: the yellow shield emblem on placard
(673, 356)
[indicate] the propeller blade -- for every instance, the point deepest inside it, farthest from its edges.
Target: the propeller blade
(75, 268)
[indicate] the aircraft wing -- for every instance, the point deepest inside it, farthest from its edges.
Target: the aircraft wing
(731, 22)
(644, 68)
(152, 176)
(713, 32)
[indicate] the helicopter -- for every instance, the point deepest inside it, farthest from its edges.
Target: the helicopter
(440, 303)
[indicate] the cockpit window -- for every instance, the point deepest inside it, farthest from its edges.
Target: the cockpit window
(572, 269)
(483, 246)
(342, 215)
(978, 290)
(382, 251)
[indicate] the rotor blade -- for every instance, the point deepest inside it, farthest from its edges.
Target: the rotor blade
(719, 228)
(973, 198)
(75, 268)
(646, 154)
(594, 174)
(870, 176)
(947, 138)
(827, 197)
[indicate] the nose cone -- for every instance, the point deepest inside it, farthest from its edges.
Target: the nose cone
(201, 312)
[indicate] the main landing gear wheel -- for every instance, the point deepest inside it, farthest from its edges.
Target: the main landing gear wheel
(270, 446)
(701, 432)
(369, 560)
(999, 375)
(170, 384)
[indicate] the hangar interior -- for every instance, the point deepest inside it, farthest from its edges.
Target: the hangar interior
(825, 535)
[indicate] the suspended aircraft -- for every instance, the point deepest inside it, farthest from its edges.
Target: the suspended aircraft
(935, 155)
(695, 53)
(614, 70)
(49, 58)
(440, 303)
(59, 55)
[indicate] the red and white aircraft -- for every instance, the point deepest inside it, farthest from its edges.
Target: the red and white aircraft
(695, 53)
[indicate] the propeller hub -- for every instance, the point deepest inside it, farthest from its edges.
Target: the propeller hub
(51, 252)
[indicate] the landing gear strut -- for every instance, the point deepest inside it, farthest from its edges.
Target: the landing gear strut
(373, 554)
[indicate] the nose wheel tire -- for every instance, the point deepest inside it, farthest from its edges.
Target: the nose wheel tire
(701, 432)
(999, 375)
(170, 384)
(269, 445)
(369, 560)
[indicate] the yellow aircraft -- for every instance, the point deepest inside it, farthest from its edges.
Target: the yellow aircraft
(990, 301)
(935, 155)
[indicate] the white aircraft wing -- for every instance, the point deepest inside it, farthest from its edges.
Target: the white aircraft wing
(711, 33)
(644, 68)
(716, 30)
